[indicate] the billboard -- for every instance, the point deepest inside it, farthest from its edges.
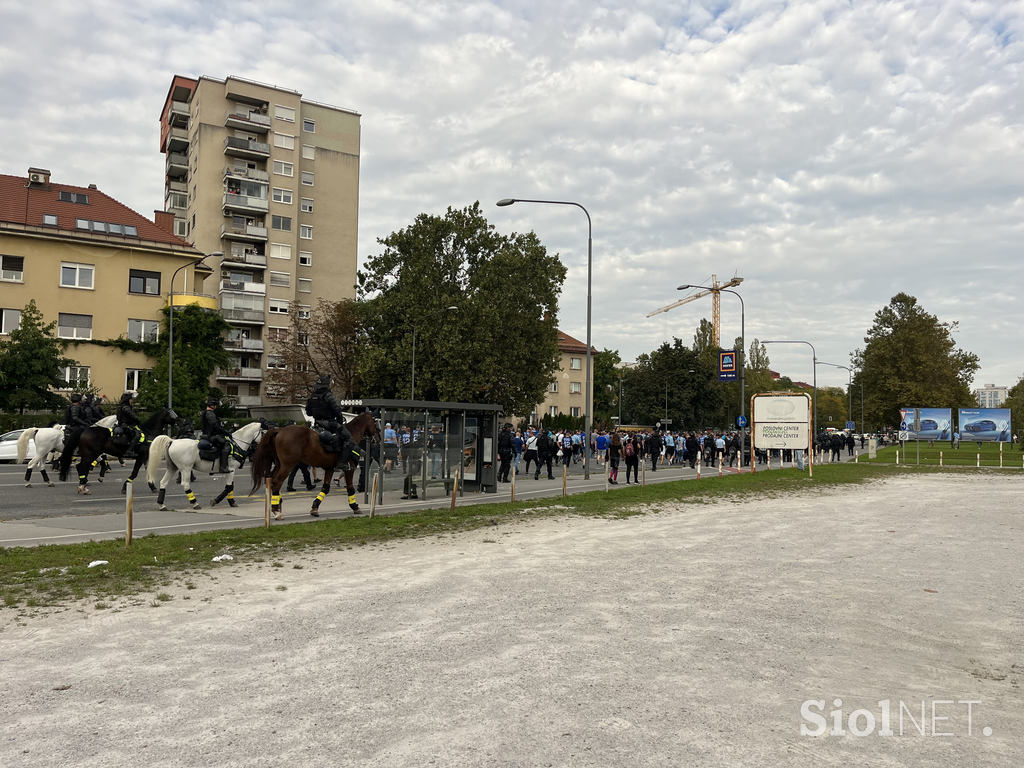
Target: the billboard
(990, 425)
(727, 370)
(781, 421)
(936, 423)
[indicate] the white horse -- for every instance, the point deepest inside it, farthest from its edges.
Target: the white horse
(183, 455)
(47, 439)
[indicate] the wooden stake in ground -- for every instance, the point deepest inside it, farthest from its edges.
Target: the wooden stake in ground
(514, 473)
(373, 496)
(565, 474)
(643, 473)
(940, 458)
(606, 477)
(266, 506)
(700, 459)
(455, 486)
(719, 463)
(129, 507)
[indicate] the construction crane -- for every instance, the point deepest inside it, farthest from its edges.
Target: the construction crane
(716, 304)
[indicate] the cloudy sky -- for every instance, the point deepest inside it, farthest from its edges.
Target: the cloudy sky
(830, 153)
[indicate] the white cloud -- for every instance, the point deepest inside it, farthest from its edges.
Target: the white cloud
(831, 153)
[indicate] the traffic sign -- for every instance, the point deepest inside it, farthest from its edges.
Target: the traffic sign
(741, 421)
(666, 422)
(903, 426)
(851, 425)
(904, 436)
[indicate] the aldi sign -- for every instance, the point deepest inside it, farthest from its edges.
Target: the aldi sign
(728, 367)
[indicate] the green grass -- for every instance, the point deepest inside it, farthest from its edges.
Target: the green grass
(55, 574)
(966, 456)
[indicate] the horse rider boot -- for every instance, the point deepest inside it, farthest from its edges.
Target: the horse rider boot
(214, 431)
(324, 408)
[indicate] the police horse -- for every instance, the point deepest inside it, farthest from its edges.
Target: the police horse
(184, 454)
(48, 440)
(282, 448)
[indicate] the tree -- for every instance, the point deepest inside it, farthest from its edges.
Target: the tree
(911, 360)
(759, 375)
(676, 374)
(327, 342)
(30, 365)
(606, 384)
(499, 346)
(198, 352)
(1015, 402)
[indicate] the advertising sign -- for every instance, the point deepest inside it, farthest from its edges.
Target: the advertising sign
(935, 423)
(990, 425)
(781, 421)
(727, 368)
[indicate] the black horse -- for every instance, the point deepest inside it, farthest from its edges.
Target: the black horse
(95, 441)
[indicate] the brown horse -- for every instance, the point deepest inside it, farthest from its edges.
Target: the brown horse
(281, 449)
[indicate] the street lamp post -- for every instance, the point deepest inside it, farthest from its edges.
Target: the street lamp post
(412, 385)
(590, 268)
(814, 356)
(170, 326)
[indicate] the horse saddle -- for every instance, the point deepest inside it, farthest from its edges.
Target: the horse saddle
(209, 452)
(329, 441)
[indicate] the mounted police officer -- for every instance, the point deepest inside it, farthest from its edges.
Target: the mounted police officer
(215, 432)
(91, 408)
(128, 421)
(75, 423)
(324, 408)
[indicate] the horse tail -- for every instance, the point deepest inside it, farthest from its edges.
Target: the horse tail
(157, 451)
(264, 459)
(23, 442)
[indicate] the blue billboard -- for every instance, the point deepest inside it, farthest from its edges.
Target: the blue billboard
(991, 425)
(936, 423)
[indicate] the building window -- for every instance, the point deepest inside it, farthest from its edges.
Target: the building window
(278, 307)
(76, 275)
(82, 223)
(133, 378)
(553, 387)
(307, 178)
(50, 219)
(180, 227)
(282, 196)
(304, 311)
(575, 412)
(284, 113)
(279, 251)
(140, 281)
(305, 285)
(74, 197)
(305, 259)
(76, 376)
(553, 410)
(177, 200)
(574, 363)
(10, 320)
(74, 326)
(305, 232)
(143, 330)
(309, 126)
(282, 279)
(12, 268)
(284, 141)
(302, 338)
(277, 335)
(275, 361)
(308, 152)
(132, 231)
(575, 388)
(283, 169)
(282, 223)
(306, 205)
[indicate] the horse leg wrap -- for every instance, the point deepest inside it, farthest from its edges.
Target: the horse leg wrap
(28, 474)
(275, 501)
(191, 497)
(160, 496)
(351, 496)
(46, 477)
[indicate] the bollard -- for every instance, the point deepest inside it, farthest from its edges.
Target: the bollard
(719, 463)
(979, 460)
(643, 473)
(856, 459)
(1000, 455)
(514, 470)
(700, 460)
(129, 507)
(373, 498)
(940, 459)
(897, 456)
(266, 506)
(606, 476)
(565, 476)
(455, 486)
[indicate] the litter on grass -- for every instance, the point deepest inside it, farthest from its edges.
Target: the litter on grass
(222, 558)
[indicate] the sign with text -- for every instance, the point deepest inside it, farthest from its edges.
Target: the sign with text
(991, 425)
(781, 421)
(931, 423)
(727, 365)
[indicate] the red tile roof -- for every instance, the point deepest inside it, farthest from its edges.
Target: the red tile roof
(567, 343)
(20, 204)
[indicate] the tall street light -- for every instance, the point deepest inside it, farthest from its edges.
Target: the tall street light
(814, 356)
(170, 325)
(849, 385)
(590, 269)
(412, 386)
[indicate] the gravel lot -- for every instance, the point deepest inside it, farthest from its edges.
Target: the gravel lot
(690, 636)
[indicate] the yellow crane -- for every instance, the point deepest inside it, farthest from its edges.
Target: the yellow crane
(716, 304)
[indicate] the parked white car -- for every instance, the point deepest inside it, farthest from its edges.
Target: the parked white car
(9, 446)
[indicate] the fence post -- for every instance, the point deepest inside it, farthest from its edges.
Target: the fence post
(373, 498)
(979, 460)
(455, 486)
(897, 455)
(719, 463)
(1000, 455)
(700, 460)
(940, 459)
(565, 475)
(514, 473)
(266, 505)
(129, 508)
(643, 473)
(606, 474)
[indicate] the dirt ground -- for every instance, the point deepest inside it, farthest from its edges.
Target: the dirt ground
(689, 636)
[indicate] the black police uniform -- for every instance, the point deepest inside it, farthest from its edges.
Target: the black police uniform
(127, 420)
(75, 423)
(216, 434)
(324, 408)
(506, 443)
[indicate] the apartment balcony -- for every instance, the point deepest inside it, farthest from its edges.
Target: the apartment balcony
(245, 401)
(242, 287)
(177, 165)
(248, 233)
(247, 258)
(178, 114)
(235, 203)
(240, 374)
(249, 345)
(177, 140)
(253, 150)
(204, 300)
(243, 316)
(233, 171)
(249, 121)
(177, 186)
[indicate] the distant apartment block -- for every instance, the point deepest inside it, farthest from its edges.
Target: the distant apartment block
(991, 396)
(567, 391)
(271, 180)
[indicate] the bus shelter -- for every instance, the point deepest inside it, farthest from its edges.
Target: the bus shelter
(425, 444)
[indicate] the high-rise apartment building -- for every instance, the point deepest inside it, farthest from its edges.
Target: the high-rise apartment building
(270, 180)
(991, 396)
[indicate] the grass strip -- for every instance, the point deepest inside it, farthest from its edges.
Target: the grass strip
(966, 455)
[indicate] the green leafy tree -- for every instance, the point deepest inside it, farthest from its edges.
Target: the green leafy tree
(30, 363)
(501, 343)
(606, 384)
(675, 374)
(759, 375)
(911, 360)
(198, 352)
(1015, 402)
